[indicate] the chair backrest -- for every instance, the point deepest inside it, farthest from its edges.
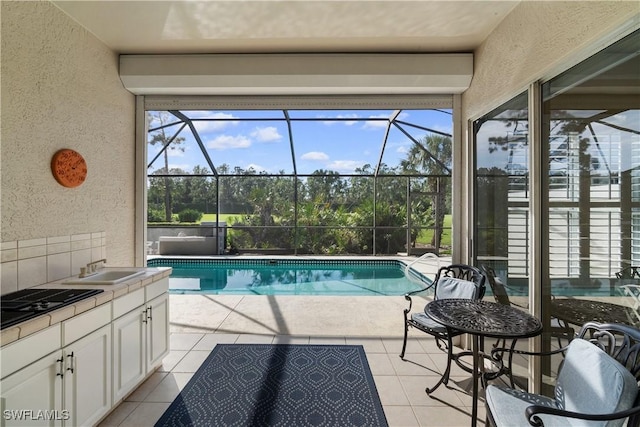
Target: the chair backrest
(459, 281)
(622, 342)
(601, 371)
(497, 288)
(631, 272)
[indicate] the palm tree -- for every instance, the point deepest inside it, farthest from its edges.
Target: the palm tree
(432, 156)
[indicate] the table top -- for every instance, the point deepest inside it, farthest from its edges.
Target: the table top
(484, 318)
(581, 311)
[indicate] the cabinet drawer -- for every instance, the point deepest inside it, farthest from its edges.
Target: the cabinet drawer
(85, 323)
(19, 354)
(128, 302)
(156, 288)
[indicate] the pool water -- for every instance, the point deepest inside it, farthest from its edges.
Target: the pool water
(288, 277)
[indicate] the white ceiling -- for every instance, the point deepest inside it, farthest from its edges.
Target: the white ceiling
(266, 26)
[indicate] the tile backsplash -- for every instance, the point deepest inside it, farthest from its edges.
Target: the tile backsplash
(27, 263)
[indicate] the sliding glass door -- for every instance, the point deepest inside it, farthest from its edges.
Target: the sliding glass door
(591, 137)
(502, 186)
(589, 189)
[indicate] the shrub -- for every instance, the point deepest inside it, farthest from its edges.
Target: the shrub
(155, 215)
(189, 215)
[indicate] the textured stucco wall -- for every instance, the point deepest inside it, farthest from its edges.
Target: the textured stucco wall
(538, 38)
(60, 89)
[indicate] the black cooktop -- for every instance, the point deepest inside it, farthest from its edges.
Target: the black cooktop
(27, 304)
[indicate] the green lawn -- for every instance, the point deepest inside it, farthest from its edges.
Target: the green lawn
(426, 235)
(223, 217)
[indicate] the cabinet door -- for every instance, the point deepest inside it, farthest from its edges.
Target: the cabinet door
(128, 352)
(33, 395)
(157, 331)
(87, 378)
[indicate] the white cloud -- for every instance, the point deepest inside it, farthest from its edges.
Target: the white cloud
(255, 167)
(176, 152)
(345, 165)
(224, 142)
(344, 122)
(266, 134)
(314, 155)
(402, 149)
(213, 126)
(444, 129)
(376, 124)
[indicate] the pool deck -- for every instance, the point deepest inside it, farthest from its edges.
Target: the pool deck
(294, 315)
(199, 322)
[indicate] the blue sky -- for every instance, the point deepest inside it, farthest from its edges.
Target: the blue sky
(337, 140)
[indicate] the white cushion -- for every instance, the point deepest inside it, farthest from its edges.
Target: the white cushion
(428, 322)
(451, 287)
(591, 381)
(508, 407)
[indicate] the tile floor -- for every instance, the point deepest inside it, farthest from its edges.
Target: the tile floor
(199, 322)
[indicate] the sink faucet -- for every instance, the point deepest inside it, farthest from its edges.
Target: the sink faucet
(91, 268)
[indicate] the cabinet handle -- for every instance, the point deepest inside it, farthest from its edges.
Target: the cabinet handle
(60, 374)
(70, 368)
(149, 311)
(144, 316)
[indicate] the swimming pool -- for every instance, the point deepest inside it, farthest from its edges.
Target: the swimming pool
(288, 277)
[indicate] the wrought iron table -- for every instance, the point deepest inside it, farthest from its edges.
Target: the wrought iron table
(580, 311)
(482, 319)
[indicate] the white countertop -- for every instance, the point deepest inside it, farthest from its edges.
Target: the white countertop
(28, 327)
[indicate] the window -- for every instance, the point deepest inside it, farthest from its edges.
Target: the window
(358, 181)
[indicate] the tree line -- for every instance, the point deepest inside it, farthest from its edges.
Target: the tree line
(325, 212)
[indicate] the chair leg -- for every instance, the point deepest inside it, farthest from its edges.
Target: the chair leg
(439, 345)
(445, 377)
(404, 343)
(503, 368)
(510, 368)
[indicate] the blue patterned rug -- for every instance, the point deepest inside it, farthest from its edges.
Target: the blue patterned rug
(279, 385)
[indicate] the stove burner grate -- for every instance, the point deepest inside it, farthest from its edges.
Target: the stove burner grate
(26, 304)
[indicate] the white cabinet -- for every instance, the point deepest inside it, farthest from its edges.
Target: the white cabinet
(140, 336)
(157, 308)
(38, 387)
(70, 387)
(157, 331)
(128, 352)
(87, 378)
(74, 372)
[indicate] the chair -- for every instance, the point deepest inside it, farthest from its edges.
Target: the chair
(500, 294)
(498, 289)
(453, 281)
(560, 331)
(633, 292)
(599, 380)
(631, 272)
(628, 281)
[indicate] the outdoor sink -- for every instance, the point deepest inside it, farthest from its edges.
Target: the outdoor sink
(106, 277)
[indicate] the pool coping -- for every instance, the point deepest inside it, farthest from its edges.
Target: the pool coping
(248, 260)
